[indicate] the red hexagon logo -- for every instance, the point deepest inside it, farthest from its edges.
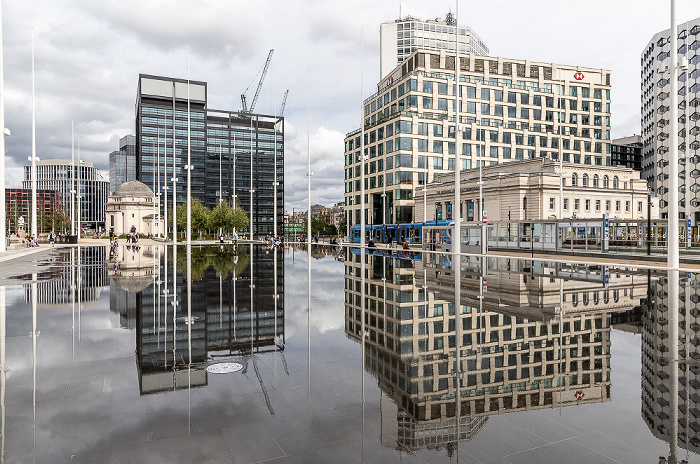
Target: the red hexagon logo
(578, 76)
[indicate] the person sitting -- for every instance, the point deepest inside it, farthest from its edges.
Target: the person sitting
(405, 245)
(370, 244)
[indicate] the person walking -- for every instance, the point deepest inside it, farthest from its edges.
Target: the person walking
(52, 238)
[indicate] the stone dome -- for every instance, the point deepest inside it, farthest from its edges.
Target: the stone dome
(133, 188)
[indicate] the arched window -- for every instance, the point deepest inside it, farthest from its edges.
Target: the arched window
(574, 180)
(595, 180)
(616, 182)
(606, 182)
(584, 179)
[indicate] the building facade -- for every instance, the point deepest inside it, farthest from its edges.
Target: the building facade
(239, 152)
(134, 208)
(655, 112)
(18, 204)
(122, 163)
(400, 38)
(58, 175)
(529, 190)
(510, 110)
(627, 152)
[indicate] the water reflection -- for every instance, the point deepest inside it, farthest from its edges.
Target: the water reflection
(518, 350)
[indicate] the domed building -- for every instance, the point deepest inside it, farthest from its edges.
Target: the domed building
(131, 208)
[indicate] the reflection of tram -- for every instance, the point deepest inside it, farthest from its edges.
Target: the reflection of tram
(409, 232)
(398, 254)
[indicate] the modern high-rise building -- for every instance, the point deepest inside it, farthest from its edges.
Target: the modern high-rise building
(19, 205)
(56, 175)
(510, 109)
(627, 152)
(232, 153)
(122, 163)
(655, 112)
(399, 39)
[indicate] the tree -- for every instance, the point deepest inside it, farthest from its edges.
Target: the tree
(321, 227)
(200, 217)
(240, 219)
(221, 217)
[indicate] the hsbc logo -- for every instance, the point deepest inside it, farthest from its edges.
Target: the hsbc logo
(578, 76)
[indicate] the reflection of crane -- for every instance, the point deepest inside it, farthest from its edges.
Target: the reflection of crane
(244, 104)
(284, 102)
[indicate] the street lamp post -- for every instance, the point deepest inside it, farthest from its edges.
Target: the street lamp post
(672, 232)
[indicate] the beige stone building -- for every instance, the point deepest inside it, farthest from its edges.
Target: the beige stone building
(529, 190)
(509, 110)
(132, 205)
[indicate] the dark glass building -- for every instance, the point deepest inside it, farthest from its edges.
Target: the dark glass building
(228, 149)
(627, 152)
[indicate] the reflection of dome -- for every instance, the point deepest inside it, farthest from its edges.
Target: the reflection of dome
(132, 284)
(133, 188)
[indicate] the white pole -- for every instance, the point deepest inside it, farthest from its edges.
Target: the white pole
(72, 180)
(157, 190)
(3, 218)
(189, 161)
(79, 194)
(672, 232)
(174, 179)
(251, 179)
(220, 185)
(155, 151)
(274, 170)
(363, 239)
(456, 215)
(233, 181)
(561, 166)
(308, 173)
(33, 158)
(165, 179)
(686, 197)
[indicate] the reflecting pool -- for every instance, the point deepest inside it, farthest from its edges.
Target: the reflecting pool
(255, 354)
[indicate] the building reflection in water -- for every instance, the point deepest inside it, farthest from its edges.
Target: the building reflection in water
(229, 319)
(671, 363)
(518, 351)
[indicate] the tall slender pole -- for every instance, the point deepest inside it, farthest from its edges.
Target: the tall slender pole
(158, 184)
(154, 190)
(3, 218)
(456, 208)
(33, 158)
(174, 179)
(672, 232)
(79, 195)
(189, 160)
(251, 179)
(686, 196)
(308, 173)
(561, 167)
(457, 241)
(233, 181)
(363, 239)
(72, 180)
(220, 185)
(274, 171)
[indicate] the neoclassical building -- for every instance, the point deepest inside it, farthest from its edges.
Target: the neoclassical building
(529, 190)
(132, 205)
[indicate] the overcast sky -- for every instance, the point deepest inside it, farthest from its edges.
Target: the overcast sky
(89, 54)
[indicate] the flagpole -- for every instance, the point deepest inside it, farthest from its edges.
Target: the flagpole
(33, 157)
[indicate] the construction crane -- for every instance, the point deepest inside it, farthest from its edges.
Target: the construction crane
(284, 102)
(244, 104)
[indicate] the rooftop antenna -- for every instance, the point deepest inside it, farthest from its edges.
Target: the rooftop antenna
(399, 9)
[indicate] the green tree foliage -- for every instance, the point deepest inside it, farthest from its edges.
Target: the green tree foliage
(240, 219)
(200, 217)
(223, 262)
(319, 227)
(221, 217)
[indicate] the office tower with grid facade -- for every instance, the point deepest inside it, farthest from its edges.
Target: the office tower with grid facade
(399, 39)
(228, 149)
(510, 109)
(122, 163)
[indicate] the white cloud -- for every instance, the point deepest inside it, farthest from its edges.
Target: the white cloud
(89, 54)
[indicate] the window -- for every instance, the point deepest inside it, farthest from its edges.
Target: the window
(442, 104)
(607, 205)
(524, 99)
(422, 128)
(595, 180)
(427, 87)
(437, 162)
(616, 182)
(576, 204)
(485, 108)
(639, 207)
(627, 206)
(617, 205)
(606, 181)
(551, 204)
(574, 180)
(422, 145)
(584, 180)
(437, 130)
(485, 94)
(597, 205)
(437, 146)
(442, 88)
(588, 205)
(566, 203)
(428, 102)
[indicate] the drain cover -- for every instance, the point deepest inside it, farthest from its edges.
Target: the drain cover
(224, 368)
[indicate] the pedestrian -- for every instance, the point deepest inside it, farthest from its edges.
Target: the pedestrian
(52, 238)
